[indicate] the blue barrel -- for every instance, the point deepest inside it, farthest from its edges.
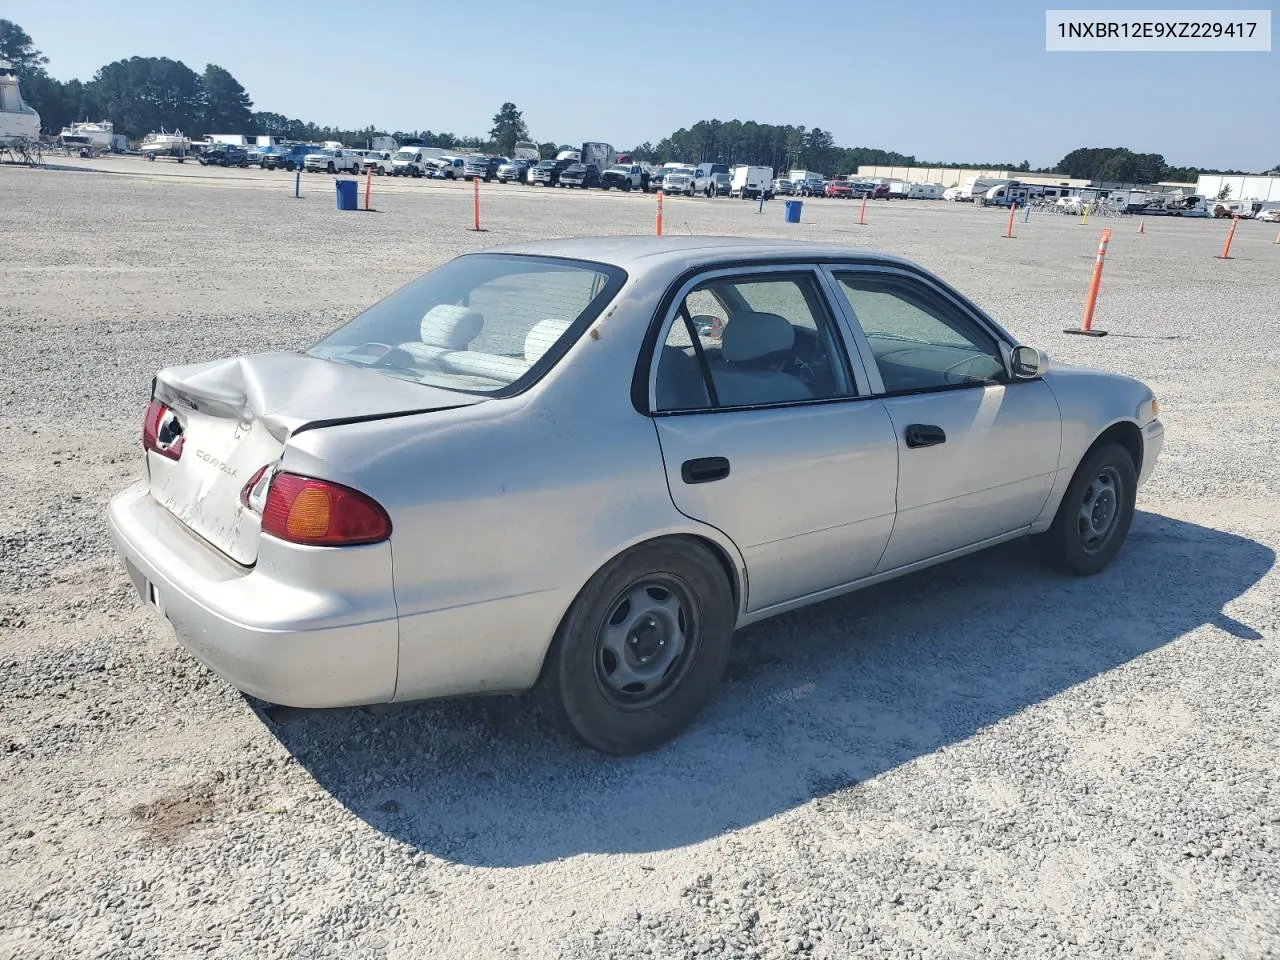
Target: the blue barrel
(792, 213)
(347, 194)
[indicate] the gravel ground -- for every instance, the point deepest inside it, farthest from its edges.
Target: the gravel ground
(986, 759)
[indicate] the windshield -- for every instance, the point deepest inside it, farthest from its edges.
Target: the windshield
(485, 323)
(546, 165)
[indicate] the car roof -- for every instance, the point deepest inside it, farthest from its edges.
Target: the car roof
(643, 254)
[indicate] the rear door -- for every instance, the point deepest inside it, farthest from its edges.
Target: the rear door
(977, 450)
(768, 431)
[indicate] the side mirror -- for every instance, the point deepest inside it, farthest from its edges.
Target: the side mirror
(1028, 363)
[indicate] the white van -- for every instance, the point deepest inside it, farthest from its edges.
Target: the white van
(751, 182)
(408, 162)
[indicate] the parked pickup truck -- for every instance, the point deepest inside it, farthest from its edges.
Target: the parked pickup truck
(446, 168)
(286, 157)
(547, 172)
(332, 161)
(625, 176)
(514, 171)
(379, 161)
(224, 155)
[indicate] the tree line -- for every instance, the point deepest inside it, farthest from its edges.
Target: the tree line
(143, 94)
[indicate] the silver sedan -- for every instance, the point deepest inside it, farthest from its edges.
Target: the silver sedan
(582, 464)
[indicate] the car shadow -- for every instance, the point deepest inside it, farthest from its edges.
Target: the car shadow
(812, 702)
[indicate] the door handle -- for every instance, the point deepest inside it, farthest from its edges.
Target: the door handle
(924, 435)
(704, 469)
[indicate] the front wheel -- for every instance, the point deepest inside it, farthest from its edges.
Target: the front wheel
(1094, 516)
(643, 646)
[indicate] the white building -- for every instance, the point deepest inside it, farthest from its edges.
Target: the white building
(1239, 186)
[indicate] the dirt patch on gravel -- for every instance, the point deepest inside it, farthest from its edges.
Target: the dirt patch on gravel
(171, 817)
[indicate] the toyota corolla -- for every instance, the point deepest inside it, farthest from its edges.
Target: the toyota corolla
(583, 464)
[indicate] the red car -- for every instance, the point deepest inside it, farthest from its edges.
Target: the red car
(840, 188)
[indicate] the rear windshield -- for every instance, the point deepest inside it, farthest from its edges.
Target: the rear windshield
(484, 323)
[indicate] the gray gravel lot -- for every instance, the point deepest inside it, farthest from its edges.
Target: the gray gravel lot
(986, 759)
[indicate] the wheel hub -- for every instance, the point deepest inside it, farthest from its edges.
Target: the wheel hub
(642, 642)
(1099, 508)
(646, 640)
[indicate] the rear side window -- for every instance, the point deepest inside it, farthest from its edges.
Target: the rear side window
(751, 341)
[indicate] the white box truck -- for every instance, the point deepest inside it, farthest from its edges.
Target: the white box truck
(750, 182)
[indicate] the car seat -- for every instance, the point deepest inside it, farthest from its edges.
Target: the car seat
(754, 347)
(444, 328)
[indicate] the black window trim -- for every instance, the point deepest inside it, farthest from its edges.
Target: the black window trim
(644, 371)
(1002, 341)
(806, 269)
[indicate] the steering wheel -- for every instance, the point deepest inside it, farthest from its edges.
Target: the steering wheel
(950, 376)
(809, 362)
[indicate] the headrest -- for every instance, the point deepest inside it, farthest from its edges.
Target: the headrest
(450, 326)
(750, 336)
(541, 338)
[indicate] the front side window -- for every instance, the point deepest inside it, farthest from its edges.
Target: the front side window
(750, 341)
(919, 339)
(485, 323)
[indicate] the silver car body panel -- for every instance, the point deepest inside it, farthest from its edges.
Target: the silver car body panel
(502, 509)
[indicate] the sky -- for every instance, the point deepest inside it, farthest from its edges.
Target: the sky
(943, 82)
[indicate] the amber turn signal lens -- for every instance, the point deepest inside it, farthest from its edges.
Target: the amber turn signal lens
(320, 513)
(309, 514)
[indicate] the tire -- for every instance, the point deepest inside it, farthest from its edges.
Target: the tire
(626, 186)
(1107, 480)
(681, 582)
(328, 168)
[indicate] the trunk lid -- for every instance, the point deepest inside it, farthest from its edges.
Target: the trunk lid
(238, 415)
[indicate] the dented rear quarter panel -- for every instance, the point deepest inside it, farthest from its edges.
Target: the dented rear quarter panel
(503, 510)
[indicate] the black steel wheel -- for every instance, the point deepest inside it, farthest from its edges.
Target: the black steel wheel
(1095, 514)
(643, 646)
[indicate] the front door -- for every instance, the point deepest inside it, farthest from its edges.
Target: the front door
(977, 451)
(767, 435)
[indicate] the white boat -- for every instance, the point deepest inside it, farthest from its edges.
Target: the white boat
(19, 123)
(93, 136)
(165, 145)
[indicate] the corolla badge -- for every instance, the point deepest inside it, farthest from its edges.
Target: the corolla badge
(220, 464)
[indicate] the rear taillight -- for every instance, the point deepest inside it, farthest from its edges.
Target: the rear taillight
(319, 513)
(162, 431)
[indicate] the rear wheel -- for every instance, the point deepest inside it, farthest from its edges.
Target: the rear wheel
(643, 646)
(1094, 516)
